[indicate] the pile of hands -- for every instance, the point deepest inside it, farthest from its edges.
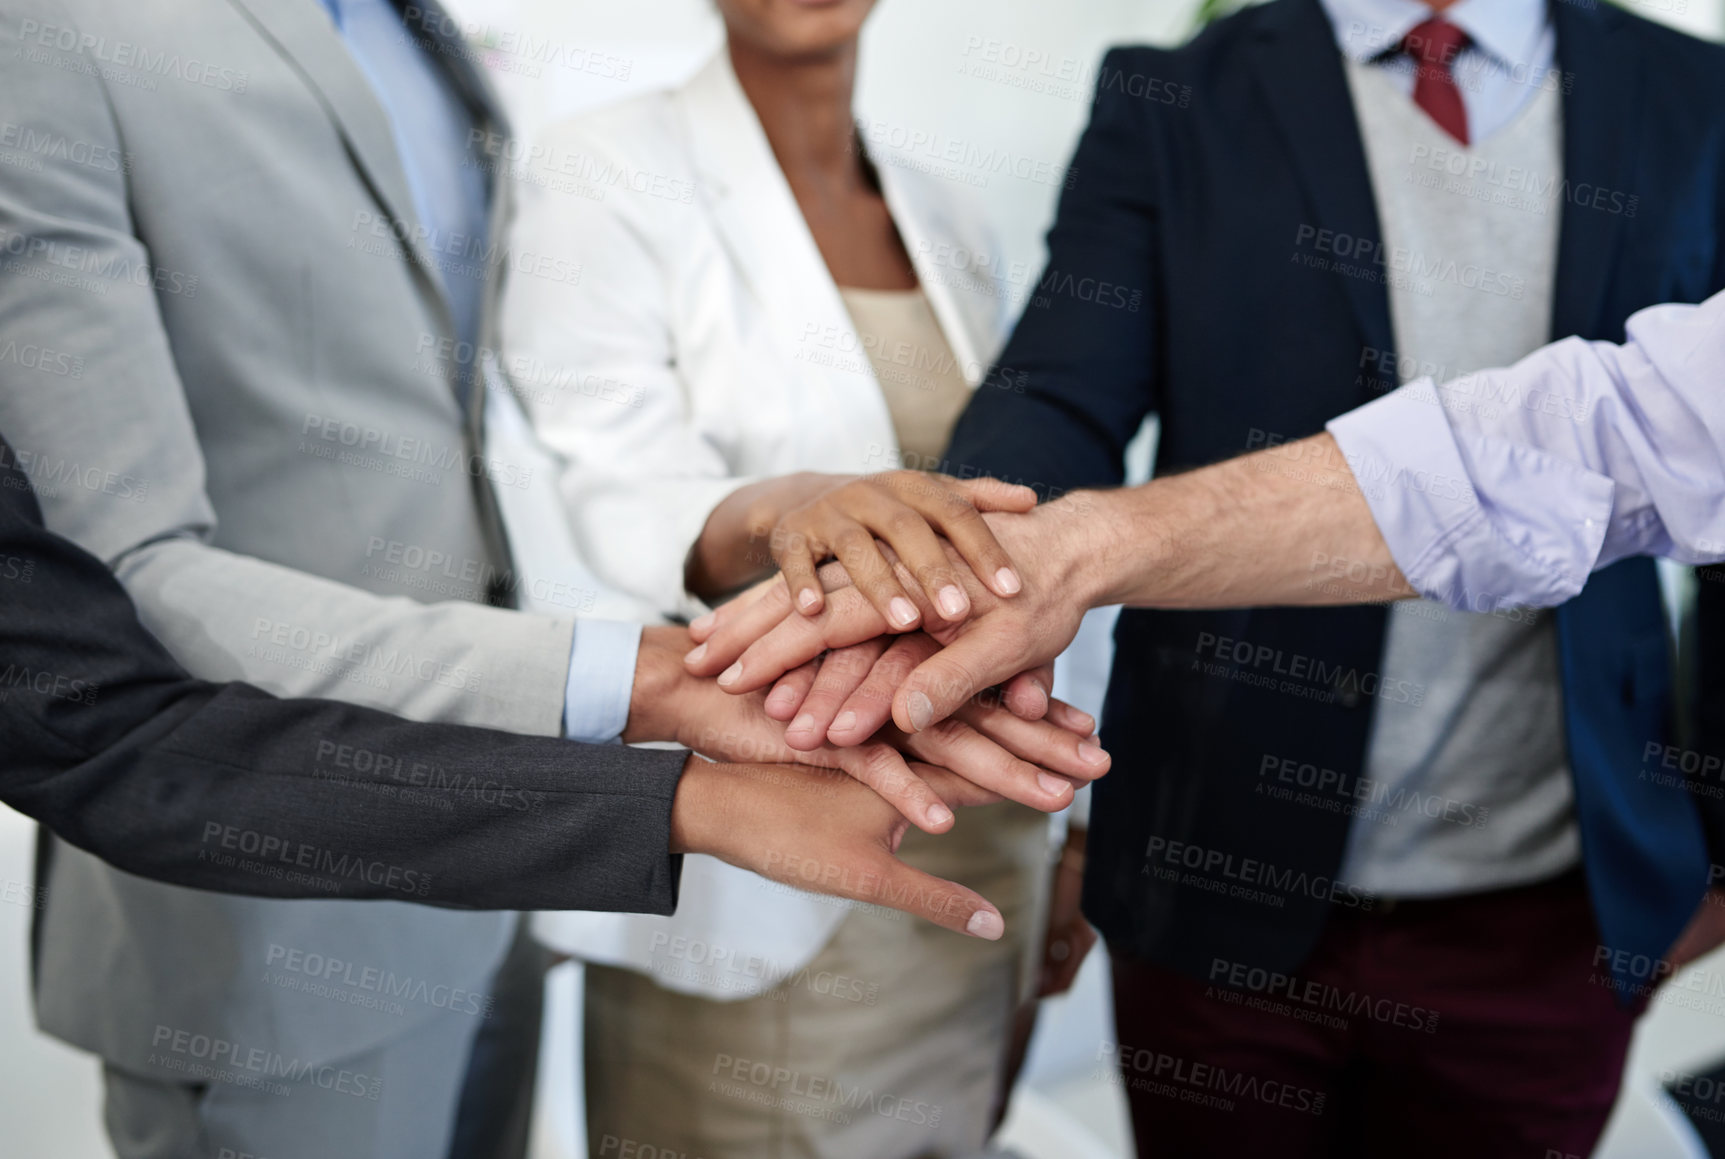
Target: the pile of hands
(897, 667)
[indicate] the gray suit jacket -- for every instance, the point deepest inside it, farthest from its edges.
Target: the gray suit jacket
(224, 367)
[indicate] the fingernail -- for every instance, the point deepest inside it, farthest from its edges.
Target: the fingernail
(702, 623)
(803, 723)
(939, 815)
(806, 599)
(903, 611)
(985, 924)
(952, 602)
(731, 675)
(1051, 785)
(696, 655)
(1092, 753)
(1007, 581)
(780, 697)
(845, 722)
(921, 711)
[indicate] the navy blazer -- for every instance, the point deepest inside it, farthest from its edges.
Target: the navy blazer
(1179, 282)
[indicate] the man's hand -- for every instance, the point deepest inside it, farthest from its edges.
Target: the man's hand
(1069, 937)
(822, 831)
(755, 640)
(1704, 933)
(1035, 763)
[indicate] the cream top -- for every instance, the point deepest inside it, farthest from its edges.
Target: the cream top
(920, 378)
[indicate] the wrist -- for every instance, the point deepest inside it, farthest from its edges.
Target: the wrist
(698, 810)
(1128, 544)
(660, 678)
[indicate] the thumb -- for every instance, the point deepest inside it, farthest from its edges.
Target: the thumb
(940, 685)
(994, 495)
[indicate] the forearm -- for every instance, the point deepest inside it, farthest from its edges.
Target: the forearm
(734, 548)
(226, 788)
(1285, 526)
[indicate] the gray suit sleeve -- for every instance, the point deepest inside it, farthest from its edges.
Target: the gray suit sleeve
(92, 400)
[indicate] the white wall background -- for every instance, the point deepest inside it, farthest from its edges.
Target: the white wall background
(996, 73)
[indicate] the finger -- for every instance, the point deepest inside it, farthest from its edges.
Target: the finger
(884, 769)
(975, 660)
(894, 884)
(841, 673)
(987, 494)
(969, 534)
(1071, 719)
(955, 745)
(788, 694)
(952, 788)
(870, 706)
(847, 619)
(1027, 694)
(854, 547)
(701, 627)
(899, 517)
(1038, 742)
(796, 554)
(731, 632)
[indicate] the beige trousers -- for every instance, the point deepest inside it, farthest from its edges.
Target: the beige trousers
(889, 1045)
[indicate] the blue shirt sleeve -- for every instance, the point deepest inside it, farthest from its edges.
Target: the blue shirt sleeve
(601, 679)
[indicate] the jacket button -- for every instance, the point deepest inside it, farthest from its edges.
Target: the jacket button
(1348, 697)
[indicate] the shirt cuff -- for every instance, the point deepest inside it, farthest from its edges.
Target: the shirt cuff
(1477, 523)
(601, 680)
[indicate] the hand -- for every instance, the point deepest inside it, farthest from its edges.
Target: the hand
(1704, 933)
(845, 696)
(1034, 763)
(821, 831)
(755, 640)
(1069, 936)
(909, 510)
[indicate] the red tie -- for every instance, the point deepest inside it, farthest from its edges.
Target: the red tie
(1434, 46)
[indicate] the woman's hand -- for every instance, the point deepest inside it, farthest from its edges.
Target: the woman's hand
(821, 830)
(911, 512)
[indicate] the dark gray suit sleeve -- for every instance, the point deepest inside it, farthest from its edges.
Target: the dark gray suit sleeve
(108, 742)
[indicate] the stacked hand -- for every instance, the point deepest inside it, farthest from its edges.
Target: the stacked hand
(983, 755)
(841, 678)
(759, 637)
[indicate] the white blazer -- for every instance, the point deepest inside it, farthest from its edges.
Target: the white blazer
(674, 333)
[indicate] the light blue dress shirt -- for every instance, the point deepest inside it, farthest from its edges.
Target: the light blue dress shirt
(1512, 54)
(432, 128)
(1582, 454)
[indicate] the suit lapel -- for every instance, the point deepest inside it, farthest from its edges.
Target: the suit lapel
(1306, 93)
(302, 32)
(763, 228)
(1601, 106)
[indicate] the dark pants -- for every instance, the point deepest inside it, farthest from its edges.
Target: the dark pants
(1472, 1026)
